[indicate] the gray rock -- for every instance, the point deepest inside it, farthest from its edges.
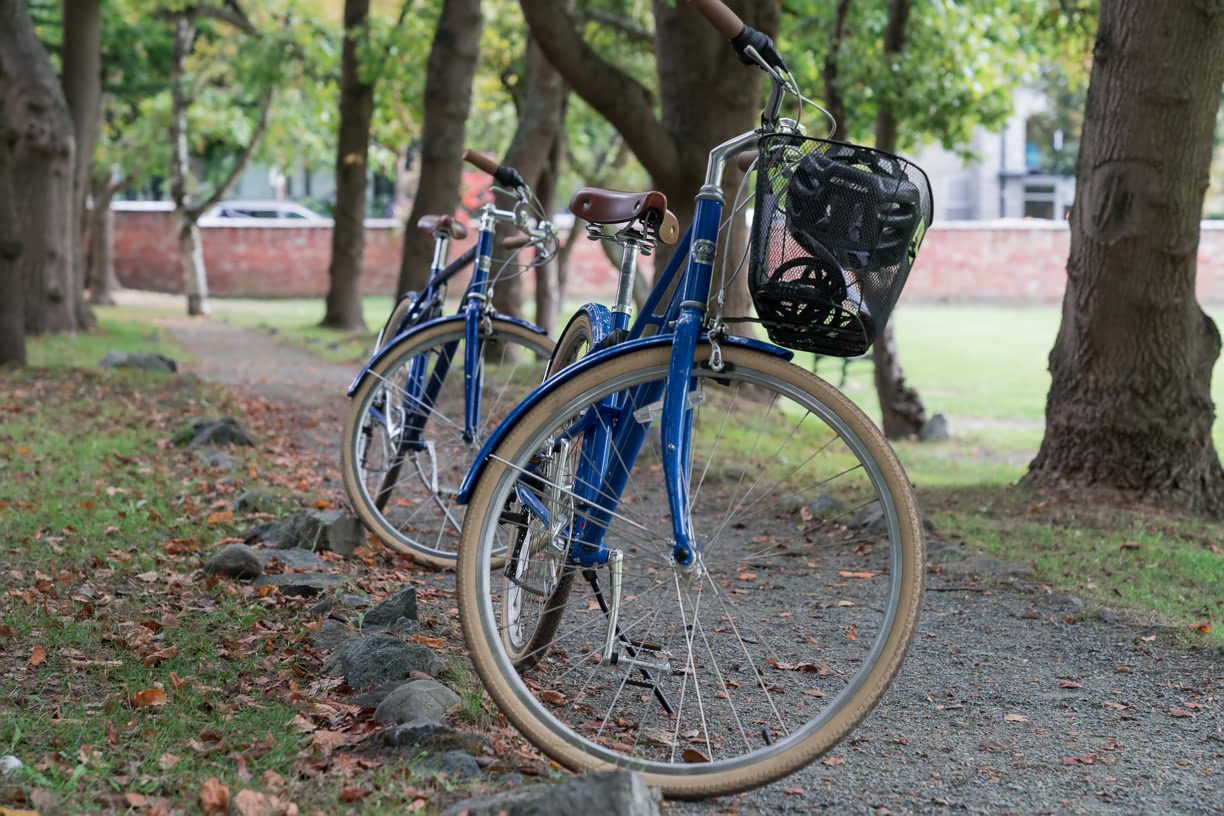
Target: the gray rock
(1106, 615)
(293, 583)
(216, 458)
(224, 431)
(416, 700)
(141, 361)
(393, 611)
(374, 697)
(825, 506)
(1069, 604)
(510, 779)
(382, 659)
(928, 525)
(292, 559)
(434, 737)
(980, 565)
(935, 429)
(328, 604)
(869, 519)
(333, 635)
(623, 793)
(455, 764)
(236, 561)
(251, 501)
(312, 530)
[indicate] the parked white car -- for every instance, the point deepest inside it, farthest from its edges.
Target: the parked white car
(285, 212)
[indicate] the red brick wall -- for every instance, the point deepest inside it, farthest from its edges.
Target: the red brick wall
(996, 261)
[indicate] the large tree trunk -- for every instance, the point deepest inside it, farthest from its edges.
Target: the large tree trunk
(1130, 402)
(43, 167)
(82, 81)
(548, 275)
(900, 406)
(706, 96)
(101, 267)
(834, 101)
(12, 300)
(531, 152)
(448, 97)
(352, 150)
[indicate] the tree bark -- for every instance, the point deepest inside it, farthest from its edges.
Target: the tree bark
(352, 150)
(548, 275)
(82, 81)
(900, 406)
(12, 296)
(1130, 404)
(532, 153)
(101, 267)
(43, 167)
(448, 97)
(834, 101)
(706, 96)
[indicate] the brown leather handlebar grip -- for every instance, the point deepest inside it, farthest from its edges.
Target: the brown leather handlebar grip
(744, 160)
(722, 18)
(480, 162)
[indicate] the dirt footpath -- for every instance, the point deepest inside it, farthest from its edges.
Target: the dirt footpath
(1013, 699)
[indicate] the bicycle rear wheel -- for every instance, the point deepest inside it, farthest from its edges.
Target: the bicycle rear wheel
(739, 673)
(403, 456)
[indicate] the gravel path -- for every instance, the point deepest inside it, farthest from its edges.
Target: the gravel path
(1013, 700)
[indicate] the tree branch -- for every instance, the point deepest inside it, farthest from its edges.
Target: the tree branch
(193, 213)
(833, 95)
(618, 23)
(618, 97)
(229, 13)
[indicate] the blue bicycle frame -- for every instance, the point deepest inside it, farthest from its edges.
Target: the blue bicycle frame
(421, 388)
(610, 435)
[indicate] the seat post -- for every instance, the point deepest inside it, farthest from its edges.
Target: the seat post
(441, 249)
(628, 268)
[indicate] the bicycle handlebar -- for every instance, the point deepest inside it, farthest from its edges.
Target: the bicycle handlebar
(504, 175)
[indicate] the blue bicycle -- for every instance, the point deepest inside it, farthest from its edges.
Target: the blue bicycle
(436, 385)
(685, 554)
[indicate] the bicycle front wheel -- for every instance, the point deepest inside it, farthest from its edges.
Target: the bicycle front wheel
(403, 451)
(736, 673)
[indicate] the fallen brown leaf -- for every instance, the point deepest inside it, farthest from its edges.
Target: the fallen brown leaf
(848, 574)
(834, 761)
(38, 655)
(214, 796)
(148, 697)
(1017, 718)
(1068, 683)
(257, 803)
(692, 755)
(553, 698)
(793, 791)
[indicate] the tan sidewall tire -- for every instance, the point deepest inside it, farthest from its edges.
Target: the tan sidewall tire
(412, 344)
(857, 708)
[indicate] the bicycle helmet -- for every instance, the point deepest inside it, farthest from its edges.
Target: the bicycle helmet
(856, 205)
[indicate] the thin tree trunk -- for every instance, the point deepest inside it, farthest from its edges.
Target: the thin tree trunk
(191, 250)
(900, 406)
(12, 299)
(43, 165)
(448, 97)
(1130, 403)
(834, 101)
(191, 254)
(82, 81)
(352, 151)
(101, 277)
(548, 281)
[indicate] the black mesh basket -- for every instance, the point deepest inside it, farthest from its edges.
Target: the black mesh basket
(835, 230)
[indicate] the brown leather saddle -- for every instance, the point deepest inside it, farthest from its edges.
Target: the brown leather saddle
(443, 223)
(599, 206)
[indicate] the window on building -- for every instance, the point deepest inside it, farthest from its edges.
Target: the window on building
(1039, 201)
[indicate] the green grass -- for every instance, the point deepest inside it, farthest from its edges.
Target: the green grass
(115, 332)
